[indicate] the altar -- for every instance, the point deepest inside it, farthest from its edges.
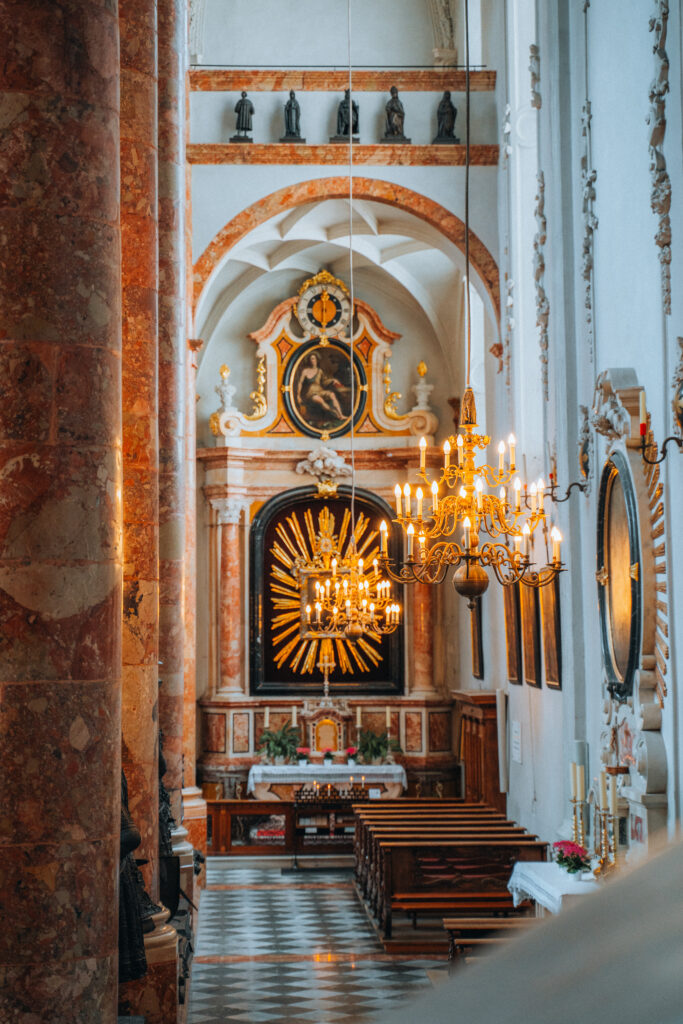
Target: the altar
(550, 886)
(280, 781)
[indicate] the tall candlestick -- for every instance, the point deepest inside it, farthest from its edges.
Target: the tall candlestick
(581, 783)
(613, 795)
(603, 791)
(423, 452)
(266, 718)
(358, 717)
(643, 414)
(388, 717)
(572, 779)
(294, 717)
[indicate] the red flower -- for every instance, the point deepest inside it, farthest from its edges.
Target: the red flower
(570, 849)
(351, 751)
(303, 750)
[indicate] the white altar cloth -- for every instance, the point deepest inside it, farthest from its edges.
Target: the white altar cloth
(293, 774)
(547, 885)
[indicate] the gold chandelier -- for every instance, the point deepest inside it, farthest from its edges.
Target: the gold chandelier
(342, 594)
(446, 526)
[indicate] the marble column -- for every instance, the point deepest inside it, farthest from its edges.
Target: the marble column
(139, 241)
(423, 660)
(231, 647)
(60, 520)
(172, 389)
(194, 806)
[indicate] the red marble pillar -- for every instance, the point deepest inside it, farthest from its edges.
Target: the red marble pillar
(60, 511)
(172, 389)
(232, 673)
(423, 661)
(139, 725)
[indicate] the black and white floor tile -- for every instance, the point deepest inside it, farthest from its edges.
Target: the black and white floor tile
(280, 948)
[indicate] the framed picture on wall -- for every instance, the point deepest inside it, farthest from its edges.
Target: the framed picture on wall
(477, 646)
(513, 639)
(531, 635)
(550, 624)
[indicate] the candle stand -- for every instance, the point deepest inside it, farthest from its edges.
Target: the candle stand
(578, 824)
(606, 842)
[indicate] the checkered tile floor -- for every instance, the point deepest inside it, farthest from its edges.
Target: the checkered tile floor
(289, 949)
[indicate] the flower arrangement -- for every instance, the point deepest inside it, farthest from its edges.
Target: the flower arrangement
(351, 751)
(303, 753)
(571, 856)
(327, 753)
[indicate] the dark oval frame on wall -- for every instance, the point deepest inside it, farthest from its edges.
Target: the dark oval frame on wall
(617, 472)
(323, 350)
(263, 679)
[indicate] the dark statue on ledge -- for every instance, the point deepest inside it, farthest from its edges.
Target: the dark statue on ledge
(244, 109)
(169, 862)
(445, 120)
(292, 120)
(344, 117)
(393, 131)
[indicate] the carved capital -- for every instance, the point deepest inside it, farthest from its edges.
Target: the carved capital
(229, 510)
(609, 416)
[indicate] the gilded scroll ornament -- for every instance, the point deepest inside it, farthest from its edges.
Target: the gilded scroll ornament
(258, 397)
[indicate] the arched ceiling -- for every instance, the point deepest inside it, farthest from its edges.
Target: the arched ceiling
(394, 251)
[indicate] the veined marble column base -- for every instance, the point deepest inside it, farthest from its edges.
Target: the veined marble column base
(155, 997)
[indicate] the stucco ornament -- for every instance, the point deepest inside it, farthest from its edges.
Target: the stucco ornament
(542, 303)
(328, 468)
(535, 71)
(660, 195)
(609, 416)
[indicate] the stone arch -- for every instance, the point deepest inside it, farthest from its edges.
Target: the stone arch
(450, 225)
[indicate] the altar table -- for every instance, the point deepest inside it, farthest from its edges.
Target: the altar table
(263, 777)
(549, 885)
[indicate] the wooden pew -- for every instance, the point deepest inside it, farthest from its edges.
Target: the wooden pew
(471, 932)
(449, 876)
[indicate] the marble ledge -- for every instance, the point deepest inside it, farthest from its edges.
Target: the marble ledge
(336, 154)
(415, 80)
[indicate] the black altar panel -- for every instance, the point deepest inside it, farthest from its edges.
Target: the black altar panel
(271, 672)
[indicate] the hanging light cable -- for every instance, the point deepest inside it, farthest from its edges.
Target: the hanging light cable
(447, 522)
(348, 597)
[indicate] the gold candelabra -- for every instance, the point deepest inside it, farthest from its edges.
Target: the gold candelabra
(606, 826)
(459, 500)
(578, 823)
(342, 595)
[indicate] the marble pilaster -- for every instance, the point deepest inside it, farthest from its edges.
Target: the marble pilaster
(139, 239)
(423, 658)
(231, 625)
(171, 23)
(60, 519)
(190, 686)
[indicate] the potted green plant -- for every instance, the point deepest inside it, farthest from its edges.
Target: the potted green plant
(374, 749)
(279, 745)
(327, 755)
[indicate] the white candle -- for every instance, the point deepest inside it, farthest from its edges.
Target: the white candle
(421, 541)
(643, 413)
(419, 495)
(266, 718)
(557, 541)
(478, 483)
(581, 782)
(423, 452)
(435, 497)
(613, 795)
(294, 717)
(466, 527)
(518, 491)
(501, 458)
(406, 500)
(383, 538)
(397, 492)
(526, 533)
(603, 791)
(460, 443)
(411, 537)
(334, 567)
(388, 717)
(308, 613)
(511, 445)
(572, 779)
(541, 489)
(358, 717)
(446, 454)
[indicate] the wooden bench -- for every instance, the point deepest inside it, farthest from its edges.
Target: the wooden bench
(468, 932)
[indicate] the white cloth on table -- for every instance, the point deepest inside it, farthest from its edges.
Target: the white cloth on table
(546, 884)
(290, 774)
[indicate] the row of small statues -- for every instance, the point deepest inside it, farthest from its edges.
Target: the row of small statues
(347, 115)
